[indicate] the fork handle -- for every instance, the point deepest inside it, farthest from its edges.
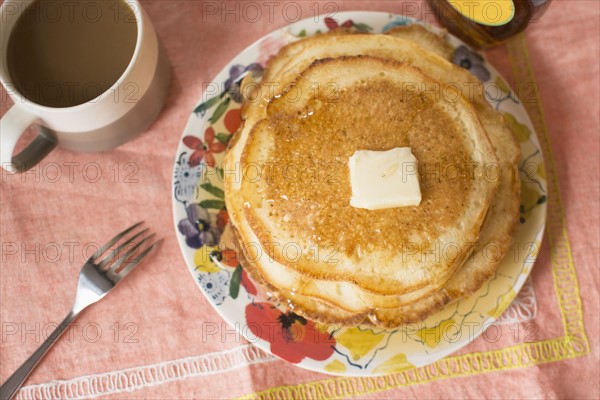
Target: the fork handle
(12, 384)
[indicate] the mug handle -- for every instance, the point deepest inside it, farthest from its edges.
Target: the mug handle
(12, 125)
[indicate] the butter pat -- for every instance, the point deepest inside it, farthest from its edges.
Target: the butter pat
(384, 179)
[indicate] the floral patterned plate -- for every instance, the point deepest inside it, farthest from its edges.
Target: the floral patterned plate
(202, 223)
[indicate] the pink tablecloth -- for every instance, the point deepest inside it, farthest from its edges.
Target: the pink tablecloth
(145, 340)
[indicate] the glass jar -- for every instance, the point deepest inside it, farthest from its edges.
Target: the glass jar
(487, 23)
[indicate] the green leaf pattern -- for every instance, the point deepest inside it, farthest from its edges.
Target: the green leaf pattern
(236, 279)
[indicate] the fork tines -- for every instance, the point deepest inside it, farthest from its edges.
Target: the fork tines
(130, 247)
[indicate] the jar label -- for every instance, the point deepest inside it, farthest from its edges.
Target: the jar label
(486, 12)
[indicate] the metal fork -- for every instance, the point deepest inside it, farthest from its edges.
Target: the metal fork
(99, 275)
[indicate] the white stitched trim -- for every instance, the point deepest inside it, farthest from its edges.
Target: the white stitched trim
(131, 379)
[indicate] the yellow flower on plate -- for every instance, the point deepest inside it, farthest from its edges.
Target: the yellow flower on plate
(203, 261)
(503, 303)
(521, 131)
(433, 336)
(359, 341)
(541, 170)
(502, 85)
(335, 367)
(395, 364)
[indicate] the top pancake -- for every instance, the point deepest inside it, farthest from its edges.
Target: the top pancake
(392, 251)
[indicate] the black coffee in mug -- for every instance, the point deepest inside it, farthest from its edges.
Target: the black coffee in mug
(63, 53)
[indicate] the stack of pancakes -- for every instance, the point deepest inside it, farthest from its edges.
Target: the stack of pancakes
(323, 98)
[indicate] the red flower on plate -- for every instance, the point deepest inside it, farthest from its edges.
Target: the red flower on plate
(203, 150)
(229, 258)
(292, 337)
(333, 24)
(233, 120)
(222, 219)
(247, 282)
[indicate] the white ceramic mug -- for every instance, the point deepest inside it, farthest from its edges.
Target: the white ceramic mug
(117, 115)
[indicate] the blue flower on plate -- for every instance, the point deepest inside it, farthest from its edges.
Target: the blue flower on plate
(398, 21)
(231, 87)
(186, 178)
(215, 285)
(199, 228)
(471, 61)
(233, 83)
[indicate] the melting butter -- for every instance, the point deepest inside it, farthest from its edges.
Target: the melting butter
(384, 179)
